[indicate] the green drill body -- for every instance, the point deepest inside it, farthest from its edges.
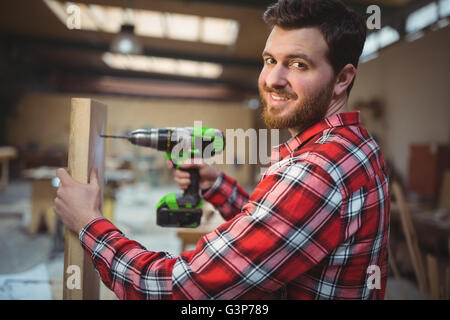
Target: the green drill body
(180, 144)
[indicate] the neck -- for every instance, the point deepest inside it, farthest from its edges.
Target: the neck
(337, 105)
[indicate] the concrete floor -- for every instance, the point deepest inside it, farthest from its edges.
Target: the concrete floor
(134, 215)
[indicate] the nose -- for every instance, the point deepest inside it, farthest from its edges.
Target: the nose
(276, 77)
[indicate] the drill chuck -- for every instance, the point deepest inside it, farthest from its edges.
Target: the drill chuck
(145, 138)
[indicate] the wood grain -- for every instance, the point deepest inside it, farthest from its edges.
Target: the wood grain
(86, 151)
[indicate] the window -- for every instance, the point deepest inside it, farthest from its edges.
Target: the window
(444, 8)
(151, 23)
(377, 40)
(422, 18)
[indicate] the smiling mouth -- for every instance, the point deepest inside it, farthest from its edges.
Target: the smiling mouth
(277, 97)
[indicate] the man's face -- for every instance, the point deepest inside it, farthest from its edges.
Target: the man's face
(296, 83)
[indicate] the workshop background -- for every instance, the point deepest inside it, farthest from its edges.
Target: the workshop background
(170, 63)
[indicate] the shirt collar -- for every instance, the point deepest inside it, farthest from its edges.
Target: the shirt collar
(337, 120)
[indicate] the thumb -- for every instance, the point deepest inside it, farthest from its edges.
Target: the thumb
(169, 164)
(93, 178)
(63, 176)
(191, 163)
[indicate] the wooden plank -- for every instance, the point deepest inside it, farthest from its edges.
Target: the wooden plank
(86, 151)
(6, 153)
(411, 239)
(393, 265)
(444, 199)
(447, 283)
(433, 277)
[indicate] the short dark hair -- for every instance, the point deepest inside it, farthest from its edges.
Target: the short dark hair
(343, 29)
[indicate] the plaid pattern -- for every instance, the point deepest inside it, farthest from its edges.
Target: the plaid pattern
(315, 223)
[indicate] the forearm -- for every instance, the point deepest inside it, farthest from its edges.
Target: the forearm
(125, 266)
(227, 196)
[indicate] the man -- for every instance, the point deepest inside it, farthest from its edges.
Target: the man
(316, 225)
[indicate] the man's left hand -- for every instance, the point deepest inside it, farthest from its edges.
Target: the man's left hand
(77, 203)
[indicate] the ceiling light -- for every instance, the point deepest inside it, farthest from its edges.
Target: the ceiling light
(368, 57)
(377, 40)
(107, 19)
(149, 23)
(163, 65)
(126, 42)
(210, 70)
(183, 27)
(219, 31)
(444, 8)
(58, 9)
(371, 44)
(422, 18)
(387, 35)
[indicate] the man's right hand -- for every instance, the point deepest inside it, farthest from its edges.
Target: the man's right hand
(208, 174)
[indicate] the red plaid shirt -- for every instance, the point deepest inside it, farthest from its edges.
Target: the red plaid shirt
(315, 227)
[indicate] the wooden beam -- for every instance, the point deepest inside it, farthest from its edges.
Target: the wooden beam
(86, 151)
(151, 88)
(411, 239)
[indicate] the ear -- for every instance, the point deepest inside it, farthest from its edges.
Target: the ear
(344, 79)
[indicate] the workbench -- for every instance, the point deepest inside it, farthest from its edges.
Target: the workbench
(43, 194)
(6, 153)
(210, 221)
(433, 235)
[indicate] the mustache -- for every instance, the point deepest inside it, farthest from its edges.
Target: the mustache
(280, 92)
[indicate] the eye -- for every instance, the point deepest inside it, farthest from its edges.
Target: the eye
(299, 65)
(269, 60)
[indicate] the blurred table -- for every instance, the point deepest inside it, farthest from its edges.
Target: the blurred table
(432, 230)
(43, 194)
(190, 236)
(6, 153)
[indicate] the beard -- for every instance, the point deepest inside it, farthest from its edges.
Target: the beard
(310, 110)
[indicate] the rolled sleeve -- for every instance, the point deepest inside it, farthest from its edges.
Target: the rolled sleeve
(227, 196)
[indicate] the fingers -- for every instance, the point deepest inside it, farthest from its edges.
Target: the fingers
(63, 176)
(57, 204)
(183, 183)
(180, 174)
(185, 165)
(93, 178)
(182, 178)
(192, 163)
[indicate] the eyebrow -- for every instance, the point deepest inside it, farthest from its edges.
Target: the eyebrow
(293, 56)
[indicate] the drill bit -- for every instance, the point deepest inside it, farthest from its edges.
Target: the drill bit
(115, 137)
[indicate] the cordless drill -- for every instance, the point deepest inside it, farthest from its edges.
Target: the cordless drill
(180, 144)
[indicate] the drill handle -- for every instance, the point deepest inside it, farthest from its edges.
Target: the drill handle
(194, 187)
